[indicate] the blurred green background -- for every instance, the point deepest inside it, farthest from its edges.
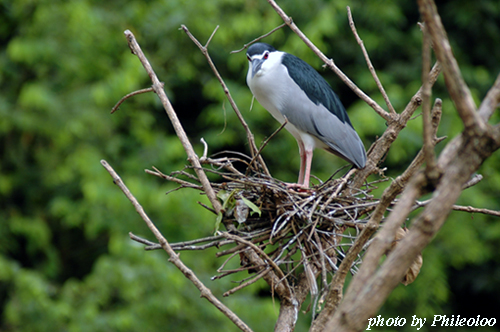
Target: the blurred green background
(66, 262)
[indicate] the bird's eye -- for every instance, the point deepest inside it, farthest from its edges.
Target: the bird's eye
(249, 58)
(266, 55)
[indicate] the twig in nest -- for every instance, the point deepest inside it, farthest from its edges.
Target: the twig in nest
(261, 253)
(257, 277)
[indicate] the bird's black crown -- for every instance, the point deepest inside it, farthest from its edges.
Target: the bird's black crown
(259, 48)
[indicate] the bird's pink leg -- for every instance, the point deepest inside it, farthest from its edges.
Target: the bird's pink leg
(307, 172)
(305, 168)
(302, 165)
(303, 162)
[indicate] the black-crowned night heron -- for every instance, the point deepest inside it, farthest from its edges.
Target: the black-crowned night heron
(289, 87)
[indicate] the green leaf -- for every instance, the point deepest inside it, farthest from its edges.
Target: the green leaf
(218, 220)
(255, 208)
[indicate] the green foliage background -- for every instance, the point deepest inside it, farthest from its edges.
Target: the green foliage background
(66, 262)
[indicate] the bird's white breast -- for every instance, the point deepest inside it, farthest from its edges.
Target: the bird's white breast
(268, 85)
(274, 89)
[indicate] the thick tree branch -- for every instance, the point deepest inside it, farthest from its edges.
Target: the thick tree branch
(337, 285)
(459, 92)
(371, 286)
(369, 290)
(428, 148)
(491, 101)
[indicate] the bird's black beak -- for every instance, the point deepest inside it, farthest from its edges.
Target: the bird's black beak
(256, 64)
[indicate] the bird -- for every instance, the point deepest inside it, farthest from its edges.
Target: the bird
(295, 93)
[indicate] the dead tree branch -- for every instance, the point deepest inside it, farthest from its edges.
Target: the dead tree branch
(430, 160)
(371, 286)
(258, 38)
(390, 193)
(158, 89)
(369, 62)
(174, 257)
(459, 91)
(250, 137)
(491, 101)
(329, 62)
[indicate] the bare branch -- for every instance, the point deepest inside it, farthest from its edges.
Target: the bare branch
(473, 181)
(459, 92)
(381, 147)
(158, 88)
(135, 93)
(263, 145)
(370, 287)
(258, 38)
(183, 183)
(329, 62)
(369, 63)
(174, 258)
(261, 253)
(472, 209)
(250, 137)
(428, 148)
(259, 276)
(491, 101)
(334, 295)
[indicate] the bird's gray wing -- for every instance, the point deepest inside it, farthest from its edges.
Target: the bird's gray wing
(338, 136)
(315, 86)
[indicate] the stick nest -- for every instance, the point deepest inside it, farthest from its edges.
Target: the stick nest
(297, 230)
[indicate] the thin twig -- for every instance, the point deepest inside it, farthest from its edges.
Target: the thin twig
(183, 183)
(369, 62)
(138, 92)
(329, 62)
(459, 91)
(472, 209)
(259, 276)
(264, 256)
(250, 137)
(380, 148)
(258, 38)
(263, 145)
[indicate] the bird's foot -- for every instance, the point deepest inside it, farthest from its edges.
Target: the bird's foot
(298, 187)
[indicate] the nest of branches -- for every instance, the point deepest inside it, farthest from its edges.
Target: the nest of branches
(295, 230)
